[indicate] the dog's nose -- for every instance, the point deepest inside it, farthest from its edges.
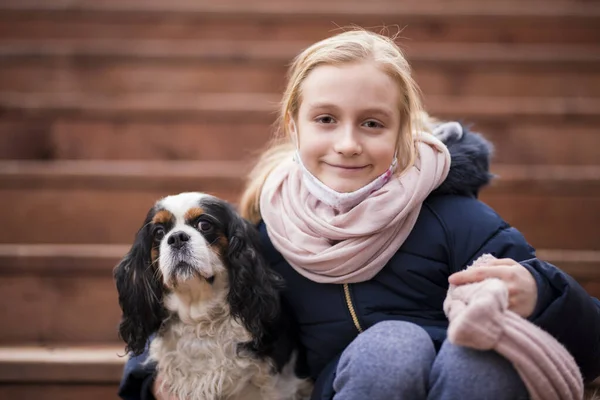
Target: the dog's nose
(178, 239)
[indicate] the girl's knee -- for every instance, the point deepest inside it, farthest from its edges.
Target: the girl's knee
(475, 373)
(393, 341)
(391, 355)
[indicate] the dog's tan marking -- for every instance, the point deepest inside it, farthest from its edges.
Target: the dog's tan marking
(162, 217)
(193, 213)
(220, 245)
(154, 254)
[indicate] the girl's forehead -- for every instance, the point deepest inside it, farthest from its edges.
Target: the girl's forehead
(356, 85)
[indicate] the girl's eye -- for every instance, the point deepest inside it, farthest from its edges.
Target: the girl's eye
(204, 226)
(326, 119)
(373, 124)
(158, 233)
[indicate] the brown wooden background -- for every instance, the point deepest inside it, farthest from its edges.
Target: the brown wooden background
(106, 105)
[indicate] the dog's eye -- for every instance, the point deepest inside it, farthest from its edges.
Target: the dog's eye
(158, 233)
(204, 226)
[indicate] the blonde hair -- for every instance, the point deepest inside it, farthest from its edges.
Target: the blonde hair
(343, 48)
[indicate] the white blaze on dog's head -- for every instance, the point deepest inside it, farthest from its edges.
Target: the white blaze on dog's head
(191, 240)
(189, 244)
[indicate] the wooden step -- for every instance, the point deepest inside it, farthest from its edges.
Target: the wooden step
(53, 373)
(251, 50)
(423, 21)
(203, 127)
(516, 140)
(262, 106)
(583, 266)
(123, 67)
(60, 294)
(65, 293)
(105, 202)
(31, 373)
(89, 364)
(290, 7)
(66, 373)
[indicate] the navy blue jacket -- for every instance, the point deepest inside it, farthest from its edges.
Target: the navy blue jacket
(453, 229)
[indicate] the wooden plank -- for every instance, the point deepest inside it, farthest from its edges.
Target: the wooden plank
(60, 309)
(531, 76)
(58, 391)
(76, 390)
(413, 22)
(55, 364)
(26, 138)
(65, 373)
(53, 289)
(61, 295)
(581, 265)
(94, 260)
(516, 141)
(270, 7)
(105, 202)
(68, 138)
(262, 106)
(283, 51)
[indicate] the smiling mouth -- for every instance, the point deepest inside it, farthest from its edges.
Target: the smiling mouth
(347, 167)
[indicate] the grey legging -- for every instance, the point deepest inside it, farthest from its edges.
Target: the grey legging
(397, 360)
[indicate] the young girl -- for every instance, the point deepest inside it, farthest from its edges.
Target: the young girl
(368, 216)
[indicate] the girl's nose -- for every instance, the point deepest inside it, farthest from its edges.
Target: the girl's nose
(347, 142)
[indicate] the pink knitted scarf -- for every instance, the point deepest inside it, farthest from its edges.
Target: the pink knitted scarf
(480, 319)
(332, 246)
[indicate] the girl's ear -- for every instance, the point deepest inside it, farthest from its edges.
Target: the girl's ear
(140, 291)
(293, 130)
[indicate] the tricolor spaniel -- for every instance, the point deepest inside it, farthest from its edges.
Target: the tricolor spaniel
(196, 278)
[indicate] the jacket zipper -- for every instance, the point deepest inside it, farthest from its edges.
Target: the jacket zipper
(351, 307)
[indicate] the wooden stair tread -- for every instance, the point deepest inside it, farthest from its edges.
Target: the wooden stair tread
(414, 28)
(62, 355)
(94, 71)
(32, 173)
(85, 364)
(124, 168)
(52, 259)
(78, 251)
(55, 288)
(284, 51)
(84, 259)
(307, 8)
(29, 137)
(262, 106)
(531, 198)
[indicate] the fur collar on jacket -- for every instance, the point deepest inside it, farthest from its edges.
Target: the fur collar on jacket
(470, 161)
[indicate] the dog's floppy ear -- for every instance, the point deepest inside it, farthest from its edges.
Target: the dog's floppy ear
(140, 292)
(253, 287)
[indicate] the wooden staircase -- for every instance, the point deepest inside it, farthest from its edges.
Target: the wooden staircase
(105, 106)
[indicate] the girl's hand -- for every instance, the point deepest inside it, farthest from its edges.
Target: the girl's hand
(522, 288)
(158, 393)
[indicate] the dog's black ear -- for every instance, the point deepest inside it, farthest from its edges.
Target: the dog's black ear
(254, 288)
(140, 292)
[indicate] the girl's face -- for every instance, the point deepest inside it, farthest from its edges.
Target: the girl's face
(348, 124)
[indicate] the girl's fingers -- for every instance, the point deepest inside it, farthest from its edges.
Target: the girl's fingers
(478, 274)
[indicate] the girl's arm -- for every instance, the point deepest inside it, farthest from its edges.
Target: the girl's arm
(563, 308)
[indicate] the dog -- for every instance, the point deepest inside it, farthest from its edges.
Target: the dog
(196, 281)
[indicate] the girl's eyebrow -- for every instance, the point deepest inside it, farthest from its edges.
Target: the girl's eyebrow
(382, 111)
(319, 106)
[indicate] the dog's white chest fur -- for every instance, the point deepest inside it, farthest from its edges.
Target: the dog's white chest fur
(200, 361)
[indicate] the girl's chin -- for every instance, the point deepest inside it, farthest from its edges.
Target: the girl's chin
(343, 187)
